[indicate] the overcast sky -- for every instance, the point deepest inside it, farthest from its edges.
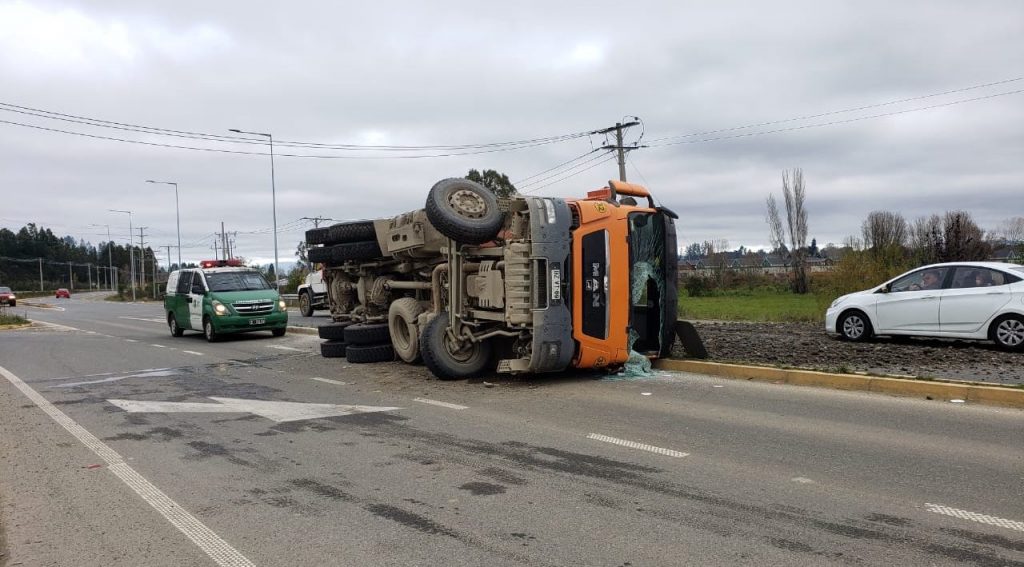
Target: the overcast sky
(471, 73)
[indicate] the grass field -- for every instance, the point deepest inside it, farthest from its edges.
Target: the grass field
(758, 305)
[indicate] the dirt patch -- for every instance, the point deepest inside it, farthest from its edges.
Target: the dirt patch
(806, 345)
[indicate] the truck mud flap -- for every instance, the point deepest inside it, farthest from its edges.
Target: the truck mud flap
(690, 340)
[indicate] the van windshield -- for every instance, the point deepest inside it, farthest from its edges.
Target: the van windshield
(236, 281)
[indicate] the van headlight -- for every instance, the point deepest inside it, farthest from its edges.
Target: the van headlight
(219, 308)
(282, 305)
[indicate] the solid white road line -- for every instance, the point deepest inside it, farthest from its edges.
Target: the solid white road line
(329, 381)
(976, 517)
(437, 403)
(208, 541)
(635, 445)
(56, 326)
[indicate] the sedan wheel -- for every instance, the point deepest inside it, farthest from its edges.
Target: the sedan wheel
(1008, 332)
(855, 326)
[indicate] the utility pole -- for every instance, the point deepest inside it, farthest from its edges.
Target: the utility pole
(40, 274)
(223, 241)
(215, 256)
(168, 247)
(154, 274)
(142, 259)
(89, 271)
(71, 278)
(619, 147)
(316, 220)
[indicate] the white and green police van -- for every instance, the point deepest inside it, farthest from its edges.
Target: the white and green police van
(223, 297)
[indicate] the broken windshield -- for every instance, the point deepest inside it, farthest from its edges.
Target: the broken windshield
(646, 280)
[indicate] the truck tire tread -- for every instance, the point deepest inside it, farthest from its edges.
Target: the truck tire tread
(362, 354)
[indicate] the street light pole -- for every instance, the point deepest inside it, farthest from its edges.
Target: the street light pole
(177, 213)
(273, 196)
(131, 250)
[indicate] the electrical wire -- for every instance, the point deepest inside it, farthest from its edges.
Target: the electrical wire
(843, 111)
(606, 160)
(834, 122)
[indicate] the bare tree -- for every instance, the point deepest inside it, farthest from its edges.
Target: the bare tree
(926, 239)
(963, 239)
(793, 193)
(885, 234)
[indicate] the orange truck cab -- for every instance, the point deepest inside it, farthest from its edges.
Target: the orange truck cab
(624, 266)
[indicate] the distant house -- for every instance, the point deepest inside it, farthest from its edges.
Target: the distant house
(1007, 253)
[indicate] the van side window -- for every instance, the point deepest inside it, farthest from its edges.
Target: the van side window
(172, 283)
(185, 282)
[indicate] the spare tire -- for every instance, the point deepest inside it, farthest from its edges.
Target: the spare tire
(341, 253)
(361, 354)
(367, 334)
(464, 211)
(342, 232)
(333, 332)
(402, 317)
(332, 349)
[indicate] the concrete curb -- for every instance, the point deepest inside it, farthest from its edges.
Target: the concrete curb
(988, 395)
(303, 330)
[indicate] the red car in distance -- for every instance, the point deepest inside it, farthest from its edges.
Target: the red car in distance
(63, 292)
(7, 297)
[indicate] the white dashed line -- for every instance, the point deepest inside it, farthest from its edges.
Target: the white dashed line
(329, 381)
(131, 340)
(802, 480)
(279, 347)
(158, 346)
(437, 403)
(635, 445)
(976, 517)
(208, 541)
(193, 352)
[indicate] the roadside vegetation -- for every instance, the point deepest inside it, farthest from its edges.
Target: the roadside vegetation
(7, 317)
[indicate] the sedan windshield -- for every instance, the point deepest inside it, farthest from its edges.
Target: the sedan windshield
(5, 290)
(236, 281)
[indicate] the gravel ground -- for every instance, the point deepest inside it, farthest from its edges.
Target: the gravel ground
(806, 345)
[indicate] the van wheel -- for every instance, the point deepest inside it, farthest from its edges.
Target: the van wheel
(464, 211)
(1008, 332)
(208, 331)
(279, 332)
(172, 324)
(402, 316)
(448, 359)
(306, 304)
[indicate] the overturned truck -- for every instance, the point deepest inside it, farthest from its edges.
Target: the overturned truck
(471, 283)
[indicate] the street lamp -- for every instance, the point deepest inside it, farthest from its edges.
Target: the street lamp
(131, 249)
(177, 213)
(110, 255)
(273, 196)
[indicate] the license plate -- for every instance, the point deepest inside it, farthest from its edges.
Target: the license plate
(556, 284)
(257, 321)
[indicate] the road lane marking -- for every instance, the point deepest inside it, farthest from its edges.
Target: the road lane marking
(132, 340)
(280, 347)
(61, 327)
(329, 381)
(437, 403)
(147, 373)
(802, 480)
(193, 352)
(635, 445)
(205, 538)
(976, 517)
(148, 320)
(157, 346)
(272, 410)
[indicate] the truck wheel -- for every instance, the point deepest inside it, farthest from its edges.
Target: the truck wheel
(172, 323)
(208, 331)
(361, 354)
(449, 361)
(332, 349)
(335, 332)
(341, 253)
(464, 211)
(402, 316)
(306, 304)
(341, 232)
(367, 334)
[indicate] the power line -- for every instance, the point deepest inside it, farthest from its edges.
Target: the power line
(51, 115)
(843, 111)
(834, 122)
(607, 159)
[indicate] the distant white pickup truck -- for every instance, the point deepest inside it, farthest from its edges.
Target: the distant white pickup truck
(312, 294)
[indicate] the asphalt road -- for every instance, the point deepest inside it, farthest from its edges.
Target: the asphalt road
(124, 446)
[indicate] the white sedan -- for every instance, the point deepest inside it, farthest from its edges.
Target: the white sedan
(964, 300)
